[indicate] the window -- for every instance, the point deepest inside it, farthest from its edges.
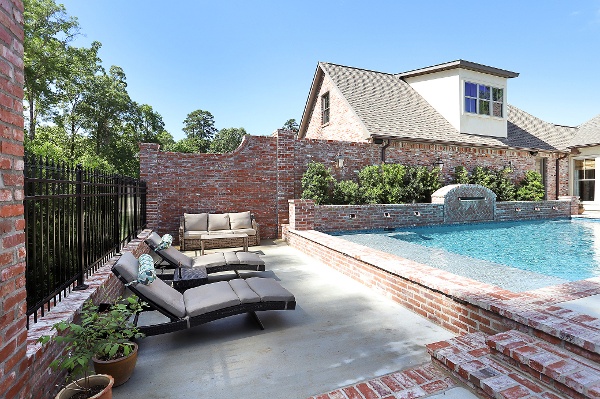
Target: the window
(483, 100)
(585, 178)
(325, 108)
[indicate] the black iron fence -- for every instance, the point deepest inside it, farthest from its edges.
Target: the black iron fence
(76, 219)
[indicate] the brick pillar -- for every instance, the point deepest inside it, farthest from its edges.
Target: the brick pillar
(302, 214)
(285, 175)
(14, 367)
(574, 203)
(148, 168)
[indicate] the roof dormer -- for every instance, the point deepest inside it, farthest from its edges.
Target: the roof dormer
(471, 96)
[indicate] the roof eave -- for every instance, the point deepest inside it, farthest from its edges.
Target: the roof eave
(459, 64)
(309, 101)
(444, 142)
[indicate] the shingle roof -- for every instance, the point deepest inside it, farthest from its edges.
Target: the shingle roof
(390, 107)
(587, 134)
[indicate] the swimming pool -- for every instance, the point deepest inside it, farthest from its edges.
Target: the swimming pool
(514, 255)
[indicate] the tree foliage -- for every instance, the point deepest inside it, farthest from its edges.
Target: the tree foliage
(316, 183)
(291, 124)
(227, 140)
(531, 187)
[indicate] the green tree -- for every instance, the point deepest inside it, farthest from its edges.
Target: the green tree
(346, 192)
(48, 29)
(316, 183)
(291, 124)
(461, 175)
(200, 125)
(227, 140)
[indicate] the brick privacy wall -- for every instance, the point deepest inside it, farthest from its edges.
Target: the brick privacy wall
(343, 123)
(528, 210)
(302, 214)
(103, 287)
(14, 365)
(194, 183)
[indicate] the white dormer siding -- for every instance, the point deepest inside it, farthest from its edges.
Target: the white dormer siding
(445, 91)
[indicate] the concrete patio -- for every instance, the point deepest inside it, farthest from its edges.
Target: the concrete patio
(340, 333)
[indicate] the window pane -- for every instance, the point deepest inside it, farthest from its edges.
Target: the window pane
(484, 107)
(498, 95)
(470, 105)
(586, 190)
(497, 111)
(590, 174)
(470, 89)
(484, 92)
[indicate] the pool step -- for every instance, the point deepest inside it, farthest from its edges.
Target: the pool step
(516, 365)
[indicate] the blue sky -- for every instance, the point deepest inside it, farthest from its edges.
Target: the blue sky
(251, 63)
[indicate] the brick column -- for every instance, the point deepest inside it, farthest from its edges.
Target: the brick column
(285, 175)
(14, 371)
(302, 214)
(574, 203)
(148, 163)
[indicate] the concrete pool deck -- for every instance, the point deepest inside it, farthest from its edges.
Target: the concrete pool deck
(340, 334)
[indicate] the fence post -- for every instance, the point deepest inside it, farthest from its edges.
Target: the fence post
(117, 214)
(80, 229)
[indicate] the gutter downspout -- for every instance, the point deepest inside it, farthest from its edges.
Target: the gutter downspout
(383, 150)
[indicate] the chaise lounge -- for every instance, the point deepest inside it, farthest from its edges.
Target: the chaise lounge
(205, 303)
(211, 263)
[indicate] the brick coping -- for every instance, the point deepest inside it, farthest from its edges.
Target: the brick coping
(416, 382)
(534, 309)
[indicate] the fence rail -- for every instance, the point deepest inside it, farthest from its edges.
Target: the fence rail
(76, 219)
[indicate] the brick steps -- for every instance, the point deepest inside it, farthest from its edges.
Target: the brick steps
(513, 365)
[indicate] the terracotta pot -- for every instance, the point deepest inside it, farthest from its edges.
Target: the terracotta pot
(581, 209)
(121, 368)
(98, 379)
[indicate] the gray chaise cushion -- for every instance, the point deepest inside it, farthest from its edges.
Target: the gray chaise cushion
(216, 259)
(243, 291)
(249, 258)
(210, 297)
(269, 290)
(195, 221)
(177, 257)
(240, 220)
(218, 221)
(154, 239)
(157, 292)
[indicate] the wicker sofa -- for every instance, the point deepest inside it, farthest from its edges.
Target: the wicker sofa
(194, 225)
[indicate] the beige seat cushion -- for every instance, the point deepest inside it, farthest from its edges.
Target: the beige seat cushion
(194, 234)
(220, 232)
(249, 258)
(215, 259)
(250, 232)
(269, 289)
(210, 297)
(240, 220)
(195, 221)
(218, 221)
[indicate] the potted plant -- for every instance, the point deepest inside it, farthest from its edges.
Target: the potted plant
(103, 335)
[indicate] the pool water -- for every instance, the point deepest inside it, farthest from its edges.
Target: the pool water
(564, 249)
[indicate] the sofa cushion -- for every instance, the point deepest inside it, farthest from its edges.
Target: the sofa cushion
(195, 221)
(240, 220)
(194, 234)
(250, 232)
(218, 221)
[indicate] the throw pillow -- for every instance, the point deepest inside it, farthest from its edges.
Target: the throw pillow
(240, 220)
(146, 271)
(195, 221)
(165, 243)
(218, 221)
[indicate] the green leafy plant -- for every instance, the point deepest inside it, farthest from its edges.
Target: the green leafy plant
(346, 192)
(461, 175)
(316, 183)
(105, 335)
(531, 187)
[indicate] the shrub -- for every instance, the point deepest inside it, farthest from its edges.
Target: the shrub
(316, 183)
(505, 189)
(461, 175)
(420, 183)
(531, 187)
(346, 192)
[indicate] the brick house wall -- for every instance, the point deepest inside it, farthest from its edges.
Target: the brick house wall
(343, 125)
(13, 333)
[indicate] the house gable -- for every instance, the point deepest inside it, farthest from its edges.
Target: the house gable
(343, 123)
